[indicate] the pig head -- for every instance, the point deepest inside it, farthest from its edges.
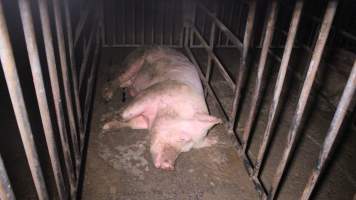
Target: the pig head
(172, 135)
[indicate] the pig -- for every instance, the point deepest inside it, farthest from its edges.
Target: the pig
(168, 100)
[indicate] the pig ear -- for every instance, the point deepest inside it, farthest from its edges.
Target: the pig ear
(207, 121)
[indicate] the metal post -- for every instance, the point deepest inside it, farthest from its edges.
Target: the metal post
(272, 116)
(243, 62)
(53, 76)
(308, 83)
(32, 49)
(82, 20)
(66, 82)
(73, 67)
(260, 80)
(6, 192)
(333, 133)
(18, 104)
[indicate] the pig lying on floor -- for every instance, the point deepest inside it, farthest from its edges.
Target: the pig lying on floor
(168, 101)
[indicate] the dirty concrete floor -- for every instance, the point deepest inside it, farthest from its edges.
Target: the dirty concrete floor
(119, 165)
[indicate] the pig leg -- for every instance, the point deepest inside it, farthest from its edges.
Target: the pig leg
(124, 80)
(207, 142)
(138, 122)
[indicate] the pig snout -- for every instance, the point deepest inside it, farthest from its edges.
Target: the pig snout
(165, 158)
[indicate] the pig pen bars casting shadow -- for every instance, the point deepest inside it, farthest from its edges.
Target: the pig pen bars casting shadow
(77, 80)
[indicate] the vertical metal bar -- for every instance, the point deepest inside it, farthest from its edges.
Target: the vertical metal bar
(260, 80)
(84, 65)
(134, 21)
(32, 49)
(308, 83)
(73, 66)
(143, 23)
(66, 82)
(13, 83)
(272, 116)
(332, 134)
(6, 192)
(211, 46)
(53, 76)
(242, 63)
(82, 20)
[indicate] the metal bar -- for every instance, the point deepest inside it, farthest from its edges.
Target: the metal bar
(272, 116)
(66, 82)
(134, 21)
(230, 20)
(211, 47)
(90, 88)
(139, 45)
(32, 49)
(6, 192)
(207, 85)
(82, 20)
(114, 22)
(143, 23)
(260, 80)
(215, 58)
(102, 21)
(222, 27)
(13, 83)
(243, 62)
(297, 119)
(53, 76)
(332, 134)
(73, 67)
(84, 65)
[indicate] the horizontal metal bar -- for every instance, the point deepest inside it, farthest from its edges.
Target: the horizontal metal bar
(6, 192)
(214, 57)
(80, 26)
(18, 104)
(139, 45)
(33, 54)
(303, 99)
(66, 81)
(332, 134)
(53, 77)
(260, 80)
(222, 27)
(273, 110)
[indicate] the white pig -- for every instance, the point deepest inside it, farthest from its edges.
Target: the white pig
(168, 101)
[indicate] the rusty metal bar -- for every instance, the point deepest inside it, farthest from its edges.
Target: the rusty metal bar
(272, 116)
(82, 20)
(297, 119)
(73, 67)
(66, 81)
(222, 27)
(243, 62)
(6, 192)
(260, 80)
(13, 83)
(332, 134)
(53, 76)
(84, 65)
(214, 57)
(32, 50)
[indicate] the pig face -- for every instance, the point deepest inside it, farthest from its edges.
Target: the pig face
(172, 135)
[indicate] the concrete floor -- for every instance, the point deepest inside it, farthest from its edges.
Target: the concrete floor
(119, 166)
